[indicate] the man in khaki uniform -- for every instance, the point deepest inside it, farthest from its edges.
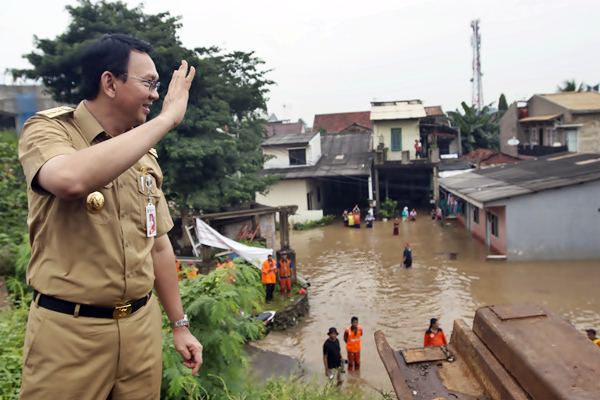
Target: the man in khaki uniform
(98, 224)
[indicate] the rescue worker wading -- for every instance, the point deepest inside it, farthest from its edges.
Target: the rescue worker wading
(98, 223)
(352, 337)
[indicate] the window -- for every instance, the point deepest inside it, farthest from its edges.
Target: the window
(476, 215)
(493, 220)
(297, 156)
(396, 139)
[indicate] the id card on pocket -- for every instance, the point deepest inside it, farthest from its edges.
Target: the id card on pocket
(150, 220)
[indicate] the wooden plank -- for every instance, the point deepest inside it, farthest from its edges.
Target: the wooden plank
(423, 354)
(391, 366)
(515, 311)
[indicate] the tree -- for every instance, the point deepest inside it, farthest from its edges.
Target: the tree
(570, 85)
(204, 170)
(502, 105)
(479, 128)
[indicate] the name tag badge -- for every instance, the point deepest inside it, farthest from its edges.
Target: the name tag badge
(150, 220)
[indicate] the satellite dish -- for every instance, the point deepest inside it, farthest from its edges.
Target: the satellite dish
(513, 141)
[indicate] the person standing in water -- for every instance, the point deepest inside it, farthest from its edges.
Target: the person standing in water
(407, 256)
(396, 226)
(434, 336)
(404, 214)
(352, 337)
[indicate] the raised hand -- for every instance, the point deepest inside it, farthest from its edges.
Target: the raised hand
(175, 102)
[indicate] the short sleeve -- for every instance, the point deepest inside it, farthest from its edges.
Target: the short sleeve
(42, 139)
(163, 216)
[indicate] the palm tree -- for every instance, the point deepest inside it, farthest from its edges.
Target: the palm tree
(479, 128)
(570, 85)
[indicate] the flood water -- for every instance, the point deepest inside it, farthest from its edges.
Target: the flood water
(359, 272)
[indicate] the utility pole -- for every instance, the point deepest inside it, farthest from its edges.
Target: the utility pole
(477, 99)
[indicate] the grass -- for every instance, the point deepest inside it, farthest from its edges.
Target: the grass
(280, 302)
(302, 226)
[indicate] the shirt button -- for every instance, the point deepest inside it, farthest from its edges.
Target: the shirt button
(126, 244)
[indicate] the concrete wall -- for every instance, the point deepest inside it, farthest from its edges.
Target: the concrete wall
(509, 127)
(410, 132)
(555, 224)
(588, 136)
(498, 243)
(478, 229)
(279, 156)
(294, 192)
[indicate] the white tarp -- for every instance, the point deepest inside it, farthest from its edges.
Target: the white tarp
(210, 237)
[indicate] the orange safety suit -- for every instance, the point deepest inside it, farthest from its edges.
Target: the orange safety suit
(353, 346)
(435, 339)
(353, 339)
(268, 272)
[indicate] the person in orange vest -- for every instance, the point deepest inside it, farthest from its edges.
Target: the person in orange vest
(434, 336)
(269, 277)
(284, 268)
(352, 337)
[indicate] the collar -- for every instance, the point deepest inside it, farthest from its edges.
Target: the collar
(90, 127)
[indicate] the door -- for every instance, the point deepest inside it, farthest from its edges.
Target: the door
(572, 140)
(488, 229)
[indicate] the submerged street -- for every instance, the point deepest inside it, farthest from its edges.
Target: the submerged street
(359, 272)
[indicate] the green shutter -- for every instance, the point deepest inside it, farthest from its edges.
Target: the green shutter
(396, 139)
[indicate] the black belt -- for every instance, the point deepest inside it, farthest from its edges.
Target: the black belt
(67, 307)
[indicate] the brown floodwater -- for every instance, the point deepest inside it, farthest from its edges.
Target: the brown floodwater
(359, 272)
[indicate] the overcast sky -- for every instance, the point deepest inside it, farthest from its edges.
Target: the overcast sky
(335, 56)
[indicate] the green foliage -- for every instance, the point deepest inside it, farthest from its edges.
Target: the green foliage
(218, 312)
(13, 202)
(502, 104)
(570, 85)
(295, 389)
(479, 128)
(302, 226)
(388, 208)
(12, 336)
(204, 170)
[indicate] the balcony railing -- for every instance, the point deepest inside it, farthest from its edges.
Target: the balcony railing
(538, 151)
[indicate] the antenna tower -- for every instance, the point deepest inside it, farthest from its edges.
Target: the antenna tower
(477, 98)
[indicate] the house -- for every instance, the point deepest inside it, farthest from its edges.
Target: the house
(359, 121)
(320, 173)
(552, 123)
(19, 102)
(540, 209)
(284, 127)
(485, 158)
(399, 172)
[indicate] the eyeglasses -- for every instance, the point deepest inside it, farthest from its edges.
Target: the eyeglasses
(149, 83)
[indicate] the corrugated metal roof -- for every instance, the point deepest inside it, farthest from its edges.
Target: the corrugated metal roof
(434, 111)
(356, 160)
(576, 101)
(397, 110)
(540, 118)
(289, 139)
(525, 177)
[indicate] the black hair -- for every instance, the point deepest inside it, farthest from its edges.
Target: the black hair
(432, 321)
(109, 53)
(353, 319)
(591, 331)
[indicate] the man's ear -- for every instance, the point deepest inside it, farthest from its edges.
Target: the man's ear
(108, 84)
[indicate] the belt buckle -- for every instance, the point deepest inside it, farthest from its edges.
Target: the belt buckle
(122, 311)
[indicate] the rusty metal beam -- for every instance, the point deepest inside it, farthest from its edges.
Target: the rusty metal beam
(391, 366)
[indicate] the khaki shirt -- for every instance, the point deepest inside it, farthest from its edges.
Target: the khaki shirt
(100, 258)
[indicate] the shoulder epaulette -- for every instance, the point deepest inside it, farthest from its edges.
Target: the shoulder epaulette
(56, 111)
(153, 152)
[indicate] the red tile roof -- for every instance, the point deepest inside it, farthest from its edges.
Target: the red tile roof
(490, 157)
(338, 122)
(284, 128)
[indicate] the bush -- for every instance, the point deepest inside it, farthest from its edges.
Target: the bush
(388, 208)
(326, 220)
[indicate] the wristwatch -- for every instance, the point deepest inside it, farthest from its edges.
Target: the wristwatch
(182, 322)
